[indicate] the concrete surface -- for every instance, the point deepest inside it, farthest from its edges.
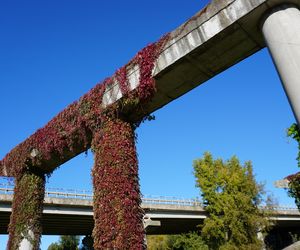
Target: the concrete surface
(75, 217)
(281, 29)
(217, 37)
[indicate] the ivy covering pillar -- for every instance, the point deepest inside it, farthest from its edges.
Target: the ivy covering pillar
(104, 117)
(25, 222)
(117, 211)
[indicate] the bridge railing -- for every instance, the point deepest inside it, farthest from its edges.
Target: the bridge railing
(69, 194)
(281, 208)
(6, 189)
(88, 195)
(171, 201)
(146, 199)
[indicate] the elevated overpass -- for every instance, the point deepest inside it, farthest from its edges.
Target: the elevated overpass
(71, 213)
(219, 36)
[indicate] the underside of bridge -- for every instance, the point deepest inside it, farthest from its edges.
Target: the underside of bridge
(75, 217)
(54, 224)
(217, 37)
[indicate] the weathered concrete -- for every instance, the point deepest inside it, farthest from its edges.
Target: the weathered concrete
(281, 29)
(75, 217)
(284, 183)
(25, 243)
(147, 221)
(295, 246)
(219, 36)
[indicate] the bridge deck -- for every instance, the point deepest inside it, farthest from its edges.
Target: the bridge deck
(72, 214)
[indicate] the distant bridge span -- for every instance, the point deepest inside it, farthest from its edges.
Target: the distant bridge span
(71, 213)
(219, 36)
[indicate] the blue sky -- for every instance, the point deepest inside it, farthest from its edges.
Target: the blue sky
(52, 52)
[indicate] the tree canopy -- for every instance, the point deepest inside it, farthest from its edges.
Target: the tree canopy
(71, 242)
(189, 241)
(294, 179)
(231, 197)
(66, 242)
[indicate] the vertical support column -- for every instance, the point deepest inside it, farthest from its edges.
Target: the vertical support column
(117, 212)
(25, 221)
(281, 30)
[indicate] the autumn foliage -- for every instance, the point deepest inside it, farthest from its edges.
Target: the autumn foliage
(27, 210)
(117, 212)
(108, 126)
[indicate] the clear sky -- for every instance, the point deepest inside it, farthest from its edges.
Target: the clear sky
(52, 52)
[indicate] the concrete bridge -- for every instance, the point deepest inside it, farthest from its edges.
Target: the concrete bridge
(217, 37)
(71, 213)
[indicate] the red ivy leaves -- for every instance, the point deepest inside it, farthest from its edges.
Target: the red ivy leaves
(61, 134)
(117, 212)
(27, 211)
(69, 133)
(121, 77)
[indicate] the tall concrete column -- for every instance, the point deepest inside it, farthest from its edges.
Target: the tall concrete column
(25, 243)
(27, 207)
(118, 215)
(281, 30)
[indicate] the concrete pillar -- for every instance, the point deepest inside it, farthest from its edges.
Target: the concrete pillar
(25, 243)
(281, 30)
(118, 215)
(27, 207)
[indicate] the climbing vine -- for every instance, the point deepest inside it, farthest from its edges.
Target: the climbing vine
(117, 211)
(25, 221)
(110, 128)
(294, 180)
(70, 132)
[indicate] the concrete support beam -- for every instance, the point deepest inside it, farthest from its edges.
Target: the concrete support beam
(147, 221)
(217, 37)
(281, 29)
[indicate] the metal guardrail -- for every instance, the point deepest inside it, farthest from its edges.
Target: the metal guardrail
(171, 201)
(88, 195)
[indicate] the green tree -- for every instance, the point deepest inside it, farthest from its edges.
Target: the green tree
(54, 246)
(294, 132)
(158, 242)
(294, 179)
(231, 197)
(66, 242)
(190, 241)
